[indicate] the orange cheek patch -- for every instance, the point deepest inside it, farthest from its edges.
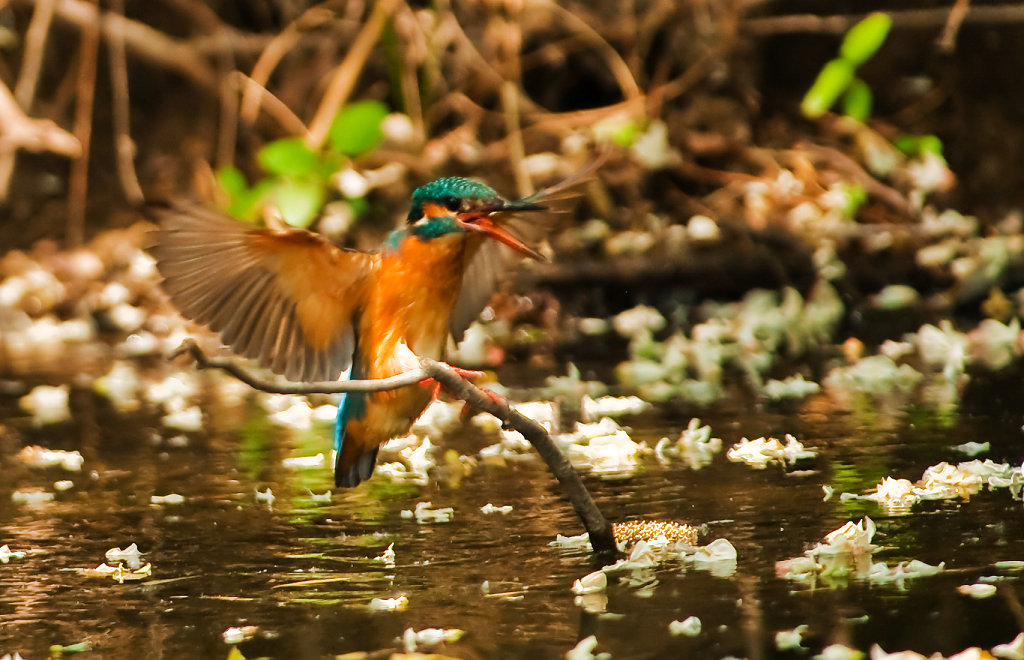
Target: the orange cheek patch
(432, 210)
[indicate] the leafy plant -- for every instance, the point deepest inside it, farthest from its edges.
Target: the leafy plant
(838, 78)
(298, 178)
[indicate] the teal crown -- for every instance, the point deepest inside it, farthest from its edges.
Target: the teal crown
(449, 190)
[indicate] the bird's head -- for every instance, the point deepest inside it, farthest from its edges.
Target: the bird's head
(457, 204)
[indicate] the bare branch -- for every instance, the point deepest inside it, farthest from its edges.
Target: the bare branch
(601, 533)
(907, 18)
(191, 348)
(85, 96)
(19, 131)
(345, 74)
(143, 40)
(255, 89)
(124, 146)
(602, 537)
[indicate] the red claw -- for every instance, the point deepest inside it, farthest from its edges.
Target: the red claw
(468, 374)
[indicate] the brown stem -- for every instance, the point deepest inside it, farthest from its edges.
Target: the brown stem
(345, 75)
(254, 90)
(144, 41)
(602, 539)
(906, 18)
(124, 147)
(85, 93)
(191, 348)
(947, 42)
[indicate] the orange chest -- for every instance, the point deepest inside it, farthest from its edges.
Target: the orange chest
(411, 303)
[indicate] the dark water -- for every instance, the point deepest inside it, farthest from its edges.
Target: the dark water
(303, 571)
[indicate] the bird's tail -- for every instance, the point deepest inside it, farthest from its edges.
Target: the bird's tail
(351, 465)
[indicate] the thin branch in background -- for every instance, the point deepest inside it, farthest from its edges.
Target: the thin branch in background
(275, 108)
(602, 537)
(345, 74)
(31, 63)
(509, 48)
(601, 533)
(124, 146)
(906, 18)
(227, 133)
(618, 67)
(19, 131)
(255, 89)
(85, 92)
(514, 140)
(146, 42)
(28, 76)
(191, 348)
(947, 41)
(415, 52)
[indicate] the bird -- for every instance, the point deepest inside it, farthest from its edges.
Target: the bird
(313, 311)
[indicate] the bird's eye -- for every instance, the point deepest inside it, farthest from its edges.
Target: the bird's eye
(452, 203)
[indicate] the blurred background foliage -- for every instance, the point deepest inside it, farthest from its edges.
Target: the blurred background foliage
(107, 104)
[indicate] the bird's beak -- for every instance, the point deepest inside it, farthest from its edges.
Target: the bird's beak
(482, 222)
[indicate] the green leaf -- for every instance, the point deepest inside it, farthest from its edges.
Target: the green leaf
(865, 38)
(858, 100)
(931, 144)
(856, 196)
(908, 145)
(299, 200)
(288, 157)
(356, 128)
(231, 180)
(831, 82)
(359, 206)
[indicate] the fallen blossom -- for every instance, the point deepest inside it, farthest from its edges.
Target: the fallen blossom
(690, 626)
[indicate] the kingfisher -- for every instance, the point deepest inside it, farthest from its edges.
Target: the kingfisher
(311, 311)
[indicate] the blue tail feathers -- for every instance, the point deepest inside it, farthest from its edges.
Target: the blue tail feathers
(351, 405)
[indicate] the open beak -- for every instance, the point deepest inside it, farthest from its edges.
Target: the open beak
(482, 222)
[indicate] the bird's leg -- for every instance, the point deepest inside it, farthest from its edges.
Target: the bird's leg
(468, 374)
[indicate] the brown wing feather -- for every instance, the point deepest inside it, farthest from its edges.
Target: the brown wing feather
(286, 298)
(487, 263)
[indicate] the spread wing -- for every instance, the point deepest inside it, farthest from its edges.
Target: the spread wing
(487, 265)
(286, 298)
(487, 262)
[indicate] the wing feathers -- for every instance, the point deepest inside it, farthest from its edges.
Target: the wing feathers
(286, 298)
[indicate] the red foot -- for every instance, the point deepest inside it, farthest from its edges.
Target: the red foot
(468, 374)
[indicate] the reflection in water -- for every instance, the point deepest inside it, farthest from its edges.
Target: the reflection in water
(300, 573)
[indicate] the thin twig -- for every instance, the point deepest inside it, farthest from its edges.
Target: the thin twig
(345, 74)
(509, 48)
(275, 108)
(908, 18)
(28, 76)
(255, 90)
(124, 146)
(85, 95)
(35, 42)
(947, 41)
(144, 41)
(602, 538)
(191, 348)
(19, 131)
(618, 67)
